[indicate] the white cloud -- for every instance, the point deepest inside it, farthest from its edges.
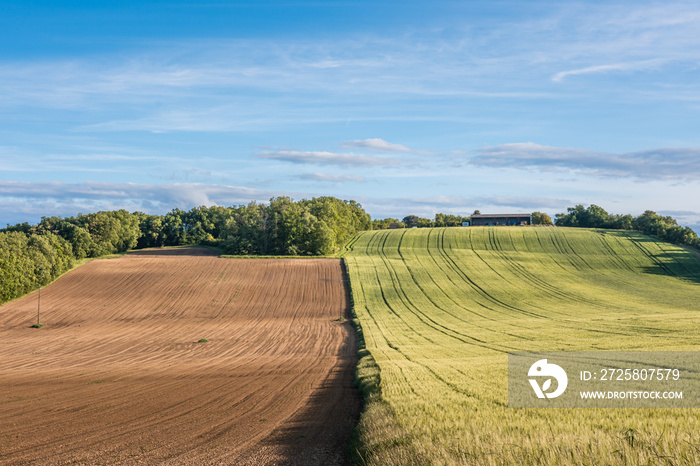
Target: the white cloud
(378, 145)
(327, 158)
(669, 163)
(182, 195)
(497, 202)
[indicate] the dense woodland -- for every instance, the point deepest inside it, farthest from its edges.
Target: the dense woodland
(30, 261)
(33, 255)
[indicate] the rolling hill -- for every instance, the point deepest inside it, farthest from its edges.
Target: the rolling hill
(440, 308)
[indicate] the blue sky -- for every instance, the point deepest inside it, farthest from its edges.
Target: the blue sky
(407, 107)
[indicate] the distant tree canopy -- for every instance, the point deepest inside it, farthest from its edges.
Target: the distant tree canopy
(93, 235)
(440, 220)
(539, 218)
(448, 220)
(650, 223)
(284, 227)
(385, 223)
(415, 221)
(33, 255)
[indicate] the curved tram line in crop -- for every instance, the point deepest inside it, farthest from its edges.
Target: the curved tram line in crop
(439, 309)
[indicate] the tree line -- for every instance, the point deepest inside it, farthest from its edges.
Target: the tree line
(410, 221)
(318, 226)
(442, 220)
(34, 255)
(665, 228)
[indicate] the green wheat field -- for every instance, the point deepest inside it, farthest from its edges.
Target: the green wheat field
(438, 310)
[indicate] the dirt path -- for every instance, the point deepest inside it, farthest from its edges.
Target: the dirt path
(694, 251)
(117, 376)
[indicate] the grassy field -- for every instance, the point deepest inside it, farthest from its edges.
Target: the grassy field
(440, 308)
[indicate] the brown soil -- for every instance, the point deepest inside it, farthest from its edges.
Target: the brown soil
(117, 375)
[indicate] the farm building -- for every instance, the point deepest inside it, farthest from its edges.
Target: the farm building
(501, 219)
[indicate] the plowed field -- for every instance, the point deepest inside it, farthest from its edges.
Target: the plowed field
(118, 375)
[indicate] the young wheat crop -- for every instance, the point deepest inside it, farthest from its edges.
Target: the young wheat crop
(440, 309)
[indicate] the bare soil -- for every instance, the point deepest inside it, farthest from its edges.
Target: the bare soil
(117, 374)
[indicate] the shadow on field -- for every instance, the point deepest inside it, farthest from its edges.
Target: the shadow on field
(682, 263)
(684, 266)
(319, 434)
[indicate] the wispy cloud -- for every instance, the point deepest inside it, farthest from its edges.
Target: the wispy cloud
(190, 119)
(471, 81)
(643, 65)
(379, 145)
(520, 202)
(332, 178)
(670, 163)
(327, 158)
(183, 195)
(217, 84)
(679, 213)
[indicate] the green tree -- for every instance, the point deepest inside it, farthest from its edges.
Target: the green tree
(385, 223)
(449, 220)
(411, 221)
(246, 230)
(151, 228)
(343, 218)
(540, 218)
(173, 231)
(284, 227)
(650, 223)
(197, 226)
(28, 261)
(621, 222)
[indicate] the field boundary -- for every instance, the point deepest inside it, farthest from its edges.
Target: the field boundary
(367, 376)
(376, 414)
(243, 256)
